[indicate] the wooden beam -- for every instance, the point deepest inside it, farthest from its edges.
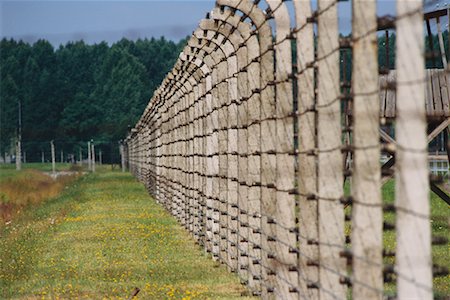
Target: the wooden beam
(437, 190)
(430, 41)
(435, 14)
(386, 137)
(441, 43)
(436, 131)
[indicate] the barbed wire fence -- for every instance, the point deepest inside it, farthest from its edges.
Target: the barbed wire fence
(253, 138)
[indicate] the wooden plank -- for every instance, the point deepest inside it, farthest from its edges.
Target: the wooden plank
(413, 250)
(307, 174)
(443, 195)
(382, 95)
(390, 96)
(386, 137)
(444, 92)
(330, 168)
(447, 80)
(437, 98)
(436, 131)
(441, 43)
(429, 106)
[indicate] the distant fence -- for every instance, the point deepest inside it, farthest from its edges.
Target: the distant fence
(248, 146)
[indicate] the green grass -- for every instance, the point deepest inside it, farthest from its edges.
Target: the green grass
(440, 216)
(104, 235)
(101, 238)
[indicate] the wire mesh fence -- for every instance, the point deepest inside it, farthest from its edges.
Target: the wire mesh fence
(259, 144)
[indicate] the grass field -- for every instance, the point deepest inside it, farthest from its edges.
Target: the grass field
(101, 238)
(439, 219)
(101, 235)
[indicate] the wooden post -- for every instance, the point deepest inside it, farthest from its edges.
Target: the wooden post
(100, 157)
(210, 202)
(42, 157)
(173, 151)
(441, 43)
(194, 151)
(93, 156)
(330, 169)
(413, 255)
(186, 159)
(201, 160)
(285, 214)
(122, 156)
(367, 215)
(232, 163)
(62, 156)
(307, 174)
(191, 204)
(19, 138)
(52, 145)
(386, 48)
(268, 162)
(89, 156)
(430, 42)
(223, 167)
(254, 165)
(19, 154)
(215, 165)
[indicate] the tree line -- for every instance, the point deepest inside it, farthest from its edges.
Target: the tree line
(77, 92)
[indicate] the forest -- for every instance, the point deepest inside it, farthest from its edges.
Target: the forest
(79, 92)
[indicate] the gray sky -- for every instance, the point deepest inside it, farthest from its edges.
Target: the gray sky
(95, 21)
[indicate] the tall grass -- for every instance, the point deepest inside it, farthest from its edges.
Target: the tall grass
(28, 187)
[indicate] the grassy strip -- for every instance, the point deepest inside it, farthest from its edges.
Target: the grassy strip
(102, 238)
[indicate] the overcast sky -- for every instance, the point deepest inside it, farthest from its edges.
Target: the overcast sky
(95, 21)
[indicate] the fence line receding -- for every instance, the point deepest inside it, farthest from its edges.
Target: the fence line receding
(263, 147)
